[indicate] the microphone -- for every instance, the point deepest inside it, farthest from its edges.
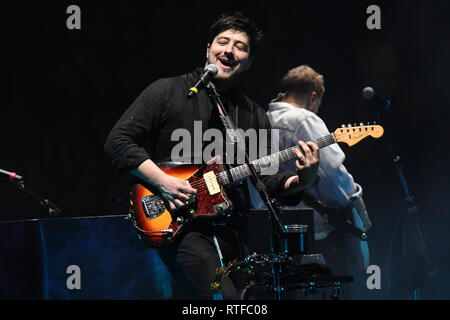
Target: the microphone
(12, 176)
(210, 72)
(369, 93)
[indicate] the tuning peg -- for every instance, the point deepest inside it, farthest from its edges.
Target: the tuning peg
(361, 124)
(343, 126)
(374, 123)
(349, 125)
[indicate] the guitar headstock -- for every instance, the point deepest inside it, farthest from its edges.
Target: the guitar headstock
(351, 135)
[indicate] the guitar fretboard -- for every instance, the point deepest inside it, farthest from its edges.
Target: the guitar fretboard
(243, 171)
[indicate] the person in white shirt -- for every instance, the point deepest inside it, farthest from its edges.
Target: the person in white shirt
(294, 114)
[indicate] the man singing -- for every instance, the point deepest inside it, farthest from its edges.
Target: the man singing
(142, 138)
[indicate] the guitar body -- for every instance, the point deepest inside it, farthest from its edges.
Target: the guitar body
(157, 225)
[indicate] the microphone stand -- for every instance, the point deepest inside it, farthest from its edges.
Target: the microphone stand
(411, 213)
(277, 227)
(411, 210)
(49, 206)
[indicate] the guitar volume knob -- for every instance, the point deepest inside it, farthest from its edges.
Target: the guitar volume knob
(180, 220)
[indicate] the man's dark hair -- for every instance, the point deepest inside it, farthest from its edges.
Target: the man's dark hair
(237, 21)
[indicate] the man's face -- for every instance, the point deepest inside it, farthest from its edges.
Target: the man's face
(230, 52)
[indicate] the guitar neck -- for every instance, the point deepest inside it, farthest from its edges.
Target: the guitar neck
(243, 171)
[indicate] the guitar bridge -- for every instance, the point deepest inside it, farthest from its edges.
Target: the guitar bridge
(153, 206)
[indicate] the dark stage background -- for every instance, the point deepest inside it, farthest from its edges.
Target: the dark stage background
(66, 88)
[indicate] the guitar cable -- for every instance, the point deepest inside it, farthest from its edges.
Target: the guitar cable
(219, 252)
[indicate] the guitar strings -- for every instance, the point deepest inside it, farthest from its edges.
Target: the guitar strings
(202, 183)
(200, 186)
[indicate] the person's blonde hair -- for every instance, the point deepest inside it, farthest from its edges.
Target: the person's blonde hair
(301, 80)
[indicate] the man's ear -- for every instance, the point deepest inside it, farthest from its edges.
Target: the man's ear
(312, 96)
(311, 100)
(250, 63)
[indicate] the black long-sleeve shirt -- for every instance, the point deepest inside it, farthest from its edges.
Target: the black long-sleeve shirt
(144, 130)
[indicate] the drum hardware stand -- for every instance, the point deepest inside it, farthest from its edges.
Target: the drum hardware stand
(411, 209)
(410, 213)
(17, 180)
(238, 141)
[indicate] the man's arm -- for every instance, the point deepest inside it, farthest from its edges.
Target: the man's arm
(289, 185)
(124, 145)
(335, 185)
(173, 189)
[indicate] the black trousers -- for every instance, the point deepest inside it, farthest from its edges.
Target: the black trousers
(194, 262)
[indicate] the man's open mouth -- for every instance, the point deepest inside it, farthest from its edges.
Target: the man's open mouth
(227, 63)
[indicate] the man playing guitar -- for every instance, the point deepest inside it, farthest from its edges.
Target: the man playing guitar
(141, 140)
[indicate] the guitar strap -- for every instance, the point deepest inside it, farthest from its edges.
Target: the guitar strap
(234, 136)
(238, 142)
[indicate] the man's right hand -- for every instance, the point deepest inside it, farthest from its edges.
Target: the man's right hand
(176, 191)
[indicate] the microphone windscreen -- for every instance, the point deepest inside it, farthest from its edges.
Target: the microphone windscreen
(368, 93)
(212, 69)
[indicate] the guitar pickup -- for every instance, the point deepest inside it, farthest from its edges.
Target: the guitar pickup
(211, 183)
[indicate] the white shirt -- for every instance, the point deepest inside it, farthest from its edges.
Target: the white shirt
(334, 186)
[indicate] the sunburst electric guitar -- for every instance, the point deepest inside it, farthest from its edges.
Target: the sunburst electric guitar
(160, 227)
